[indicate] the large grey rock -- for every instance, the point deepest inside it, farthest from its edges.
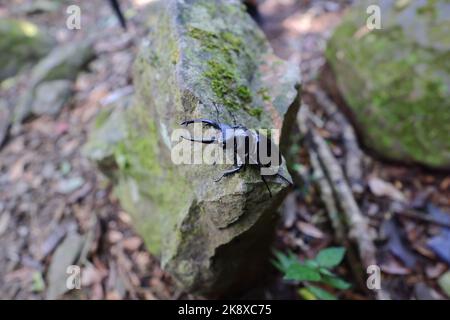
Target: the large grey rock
(203, 59)
(396, 80)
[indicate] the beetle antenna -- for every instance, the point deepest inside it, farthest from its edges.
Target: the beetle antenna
(206, 121)
(217, 112)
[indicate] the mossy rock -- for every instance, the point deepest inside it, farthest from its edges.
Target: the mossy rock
(396, 80)
(203, 59)
(21, 43)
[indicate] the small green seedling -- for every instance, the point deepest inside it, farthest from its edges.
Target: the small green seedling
(316, 270)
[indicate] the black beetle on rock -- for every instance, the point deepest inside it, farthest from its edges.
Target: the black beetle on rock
(249, 148)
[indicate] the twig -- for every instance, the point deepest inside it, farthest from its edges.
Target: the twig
(353, 154)
(422, 217)
(358, 226)
(326, 194)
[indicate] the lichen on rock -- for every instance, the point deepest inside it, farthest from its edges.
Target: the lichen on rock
(396, 80)
(203, 59)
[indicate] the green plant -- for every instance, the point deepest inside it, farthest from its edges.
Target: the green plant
(317, 270)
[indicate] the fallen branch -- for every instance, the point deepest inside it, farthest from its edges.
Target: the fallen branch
(353, 154)
(326, 165)
(326, 194)
(421, 217)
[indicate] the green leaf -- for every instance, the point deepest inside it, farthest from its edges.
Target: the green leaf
(38, 284)
(302, 273)
(306, 294)
(311, 263)
(444, 283)
(326, 272)
(336, 282)
(297, 167)
(283, 261)
(330, 257)
(321, 294)
(277, 264)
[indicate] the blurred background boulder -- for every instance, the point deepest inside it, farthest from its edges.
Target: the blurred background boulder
(21, 44)
(395, 80)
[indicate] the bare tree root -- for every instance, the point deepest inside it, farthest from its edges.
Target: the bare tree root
(353, 154)
(326, 194)
(336, 193)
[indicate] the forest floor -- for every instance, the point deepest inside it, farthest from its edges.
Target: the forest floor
(48, 189)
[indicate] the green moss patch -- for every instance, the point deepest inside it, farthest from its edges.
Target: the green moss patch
(227, 83)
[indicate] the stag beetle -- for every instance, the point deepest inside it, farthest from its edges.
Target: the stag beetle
(246, 147)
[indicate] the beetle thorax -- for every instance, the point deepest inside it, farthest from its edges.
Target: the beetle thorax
(246, 146)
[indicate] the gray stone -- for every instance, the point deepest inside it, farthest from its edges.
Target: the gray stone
(65, 255)
(203, 59)
(396, 80)
(51, 96)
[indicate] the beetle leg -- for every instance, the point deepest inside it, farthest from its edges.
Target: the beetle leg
(202, 141)
(267, 186)
(229, 172)
(285, 179)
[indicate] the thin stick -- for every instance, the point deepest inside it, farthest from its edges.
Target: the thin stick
(326, 193)
(353, 154)
(419, 216)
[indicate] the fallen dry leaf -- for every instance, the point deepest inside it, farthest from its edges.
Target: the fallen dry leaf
(309, 230)
(132, 243)
(91, 275)
(393, 267)
(382, 188)
(435, 270)
(114, 236)
(113, 295)
(440, 245)
(4, 222)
